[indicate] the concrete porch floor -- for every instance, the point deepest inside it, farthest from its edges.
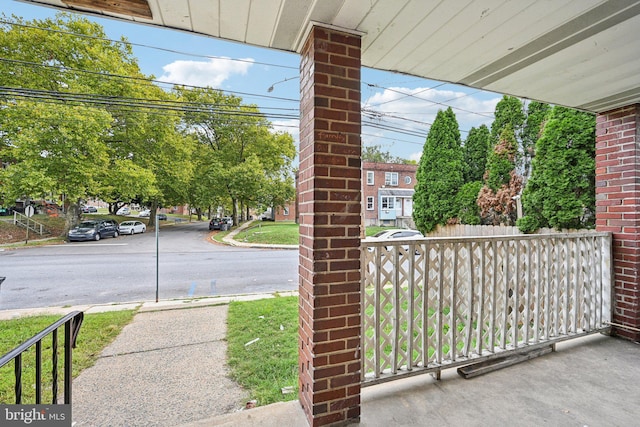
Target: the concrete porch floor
(590, 381)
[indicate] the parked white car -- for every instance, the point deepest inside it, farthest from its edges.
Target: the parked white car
(144, 214)
(123, 211)
(393, 234)
(132, 227)
(396, 233)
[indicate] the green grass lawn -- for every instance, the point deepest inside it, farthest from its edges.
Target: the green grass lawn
(275, 233)
(262, 348)
(97, 331)
(278, 233)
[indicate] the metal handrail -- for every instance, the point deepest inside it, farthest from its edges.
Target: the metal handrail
(72, 323)
(26, 222)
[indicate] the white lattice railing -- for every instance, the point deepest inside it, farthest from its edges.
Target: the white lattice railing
(437, 303)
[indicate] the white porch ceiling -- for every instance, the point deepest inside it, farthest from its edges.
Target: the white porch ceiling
(578, 53)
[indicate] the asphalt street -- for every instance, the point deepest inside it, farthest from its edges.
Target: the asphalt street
(126, 269)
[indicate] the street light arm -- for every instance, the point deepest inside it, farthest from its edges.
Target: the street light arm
(270, 89)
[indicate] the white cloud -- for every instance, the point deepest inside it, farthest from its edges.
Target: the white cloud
(414, 114)
(418, 111)
(211, 73)
(291, 126)
(415, 156)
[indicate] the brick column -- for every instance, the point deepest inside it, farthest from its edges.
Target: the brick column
(329, 211)
(618, 208)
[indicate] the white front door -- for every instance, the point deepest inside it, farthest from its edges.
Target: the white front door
(408, 207)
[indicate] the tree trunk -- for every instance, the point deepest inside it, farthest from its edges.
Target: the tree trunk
(152, 214)
(235, 211)
(72, 216)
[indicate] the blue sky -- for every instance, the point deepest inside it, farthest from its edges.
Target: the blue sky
(408, 104)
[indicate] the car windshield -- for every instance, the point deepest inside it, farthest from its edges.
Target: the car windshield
(87, 224)
(380, 233)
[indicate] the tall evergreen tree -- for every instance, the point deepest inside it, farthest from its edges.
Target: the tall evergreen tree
(476, 148)
(509, 111)
(561, 190)
(439, 175)
(531, 132)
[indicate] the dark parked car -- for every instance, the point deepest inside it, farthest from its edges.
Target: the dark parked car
(215, 223)
(93, 230)
(162, 217)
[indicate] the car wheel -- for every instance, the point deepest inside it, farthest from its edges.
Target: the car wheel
(131, 232)
(115, 234)
(96, 237)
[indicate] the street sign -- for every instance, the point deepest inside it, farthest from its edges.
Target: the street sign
(28, 211)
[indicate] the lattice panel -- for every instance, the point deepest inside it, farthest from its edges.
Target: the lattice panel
(430, 303)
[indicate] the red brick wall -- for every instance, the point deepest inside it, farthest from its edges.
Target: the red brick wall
(618, 208)
(329, 214)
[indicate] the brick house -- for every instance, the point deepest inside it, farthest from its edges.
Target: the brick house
(387, 194)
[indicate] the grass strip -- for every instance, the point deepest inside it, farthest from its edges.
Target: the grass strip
(262, 347)
(274, 233)
(98, 330)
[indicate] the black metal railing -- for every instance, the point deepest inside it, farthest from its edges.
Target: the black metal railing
(72, 323)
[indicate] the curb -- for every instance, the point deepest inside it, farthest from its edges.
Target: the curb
(141, 306)
(229, 239)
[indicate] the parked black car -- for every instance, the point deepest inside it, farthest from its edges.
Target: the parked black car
(93, 230)
(162, 217)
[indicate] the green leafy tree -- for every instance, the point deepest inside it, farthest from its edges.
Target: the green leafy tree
(56, 150)
(241, 142)
(170, 160)
(125, 181)
(374, 154)
(74, 66)
(501, 183)
(561, 190)
(439, 175)
(476, 149)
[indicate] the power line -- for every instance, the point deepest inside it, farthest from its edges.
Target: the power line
(132, 103)
(63, 68)
(404, 94)
(427, 100)
(178, 52)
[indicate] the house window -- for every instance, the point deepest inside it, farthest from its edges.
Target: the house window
(387, 202)
(391, 178)
(407, 180)
(286, 211)
(369, 177)
(370, 203)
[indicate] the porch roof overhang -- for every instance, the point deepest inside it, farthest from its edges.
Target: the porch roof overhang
(578, 53)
